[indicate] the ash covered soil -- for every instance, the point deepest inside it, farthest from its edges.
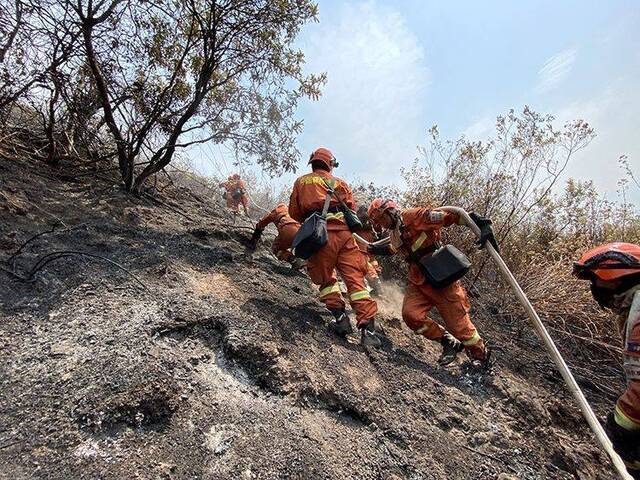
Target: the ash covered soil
(221, 368)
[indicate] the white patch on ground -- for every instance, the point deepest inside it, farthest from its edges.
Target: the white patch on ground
(219, 438)
(91, 449)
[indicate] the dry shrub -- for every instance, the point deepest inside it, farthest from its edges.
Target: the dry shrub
(514, 178)
(565, 304)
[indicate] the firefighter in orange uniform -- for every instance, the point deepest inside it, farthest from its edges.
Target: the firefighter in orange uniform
(614, 271)
(287, 228)
(415, 232)
(236, 194)
(340, 253)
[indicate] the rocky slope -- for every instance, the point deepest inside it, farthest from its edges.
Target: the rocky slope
(206, 365)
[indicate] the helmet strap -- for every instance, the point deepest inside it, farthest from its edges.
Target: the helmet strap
(603, 296)
(395, 216)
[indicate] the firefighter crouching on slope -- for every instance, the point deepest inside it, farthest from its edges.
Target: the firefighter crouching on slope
(373, 267)
(415, 232)
(236, 194)
(614, 271)
(287, 228)
(340, 253)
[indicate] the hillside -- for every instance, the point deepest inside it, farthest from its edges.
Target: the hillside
(219, 368)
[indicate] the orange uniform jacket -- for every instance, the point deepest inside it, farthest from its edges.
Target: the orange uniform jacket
(287, 229)
(418, 233)
(231, 185)
(309, 192)
(279, 216)
(628, 406)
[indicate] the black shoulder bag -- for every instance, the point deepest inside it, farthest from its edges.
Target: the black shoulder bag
(312, 235)
(446, 265)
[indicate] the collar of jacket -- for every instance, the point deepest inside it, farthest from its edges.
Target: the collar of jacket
(622, 302)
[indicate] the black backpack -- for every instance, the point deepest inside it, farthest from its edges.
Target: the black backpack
(313, 235)
(237, 193)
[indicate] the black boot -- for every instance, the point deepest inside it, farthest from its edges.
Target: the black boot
(487, 362)
(368, 337)
(626, 443)
(450, 348)
(297, 263)
(340, 325)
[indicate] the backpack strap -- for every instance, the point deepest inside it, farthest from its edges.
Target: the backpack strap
(327, 200)
(335, 194)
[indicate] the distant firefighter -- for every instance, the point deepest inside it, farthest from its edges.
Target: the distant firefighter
(236, 194)
(614, 272)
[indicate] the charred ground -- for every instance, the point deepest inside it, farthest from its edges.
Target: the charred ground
(222, 368)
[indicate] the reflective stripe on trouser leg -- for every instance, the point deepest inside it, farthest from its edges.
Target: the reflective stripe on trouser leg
(473, 340)
(415, 308)
(359, 295)
(476, 350)
(352, 266)
(422, 329)
(624, 421)
(430, 330)
(335, 288)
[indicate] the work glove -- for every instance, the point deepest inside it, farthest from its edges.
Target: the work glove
(255, 238)
(379, 250)
(486, 232)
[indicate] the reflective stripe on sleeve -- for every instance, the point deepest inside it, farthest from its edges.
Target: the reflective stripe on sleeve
(419, 241)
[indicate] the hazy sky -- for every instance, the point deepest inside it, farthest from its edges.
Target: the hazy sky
(397, 67)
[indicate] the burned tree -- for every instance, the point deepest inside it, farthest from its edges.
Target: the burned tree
(170, 74)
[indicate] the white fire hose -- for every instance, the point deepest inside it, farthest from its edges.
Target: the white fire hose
(383, 241)
(587, 412)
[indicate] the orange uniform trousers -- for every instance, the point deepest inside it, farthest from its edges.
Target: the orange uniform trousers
(452, 304)
(283, 241)
(234, 203)
(341, 253)
(628, 406)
